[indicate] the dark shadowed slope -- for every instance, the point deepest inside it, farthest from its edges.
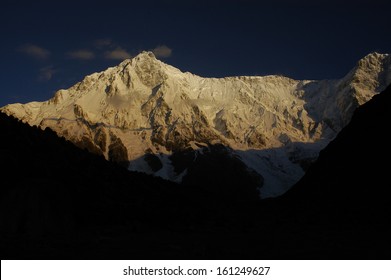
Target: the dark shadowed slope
(60, 201)
(343, 203)
(350, 182)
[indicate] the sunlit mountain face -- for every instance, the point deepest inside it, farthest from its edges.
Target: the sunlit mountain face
(151, 117)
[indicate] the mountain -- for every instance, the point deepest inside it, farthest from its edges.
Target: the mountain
(58, 201)
(151, 117)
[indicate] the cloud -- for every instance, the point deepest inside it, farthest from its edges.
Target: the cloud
(117, 54)
(103, 43)
(82, 55)
(46, 73)
(162, 51)
(35, 51)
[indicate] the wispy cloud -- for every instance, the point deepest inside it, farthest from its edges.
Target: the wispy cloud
(162, 51)
(46, 73)
(34, 51)
(82, 54)
(117, 54)
(103, 43)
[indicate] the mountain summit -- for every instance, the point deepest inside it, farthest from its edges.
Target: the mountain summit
(154, 118)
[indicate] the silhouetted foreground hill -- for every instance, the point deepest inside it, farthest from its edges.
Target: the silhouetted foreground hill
(61, 202)
(350, 182)
(347, 193)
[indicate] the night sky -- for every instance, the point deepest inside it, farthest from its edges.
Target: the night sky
(46, 46)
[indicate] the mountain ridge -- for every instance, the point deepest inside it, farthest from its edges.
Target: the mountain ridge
(339, 210)
(146, 107)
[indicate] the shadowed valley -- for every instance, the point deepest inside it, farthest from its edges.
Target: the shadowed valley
(63, 202)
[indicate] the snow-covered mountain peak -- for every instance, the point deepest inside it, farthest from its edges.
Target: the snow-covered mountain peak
(373, 57)
(145, 55)
(370, 76)
(143, 111)
(373, 63)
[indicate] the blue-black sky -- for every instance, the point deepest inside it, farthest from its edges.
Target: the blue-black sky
(46, 45)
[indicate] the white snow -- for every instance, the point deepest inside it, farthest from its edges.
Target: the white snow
(150, 105)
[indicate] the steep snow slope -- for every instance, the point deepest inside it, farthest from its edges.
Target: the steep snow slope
(142, 111)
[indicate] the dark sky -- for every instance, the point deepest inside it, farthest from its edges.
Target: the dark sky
(46, 45)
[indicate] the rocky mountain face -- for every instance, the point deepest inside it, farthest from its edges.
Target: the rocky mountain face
(151, 117)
